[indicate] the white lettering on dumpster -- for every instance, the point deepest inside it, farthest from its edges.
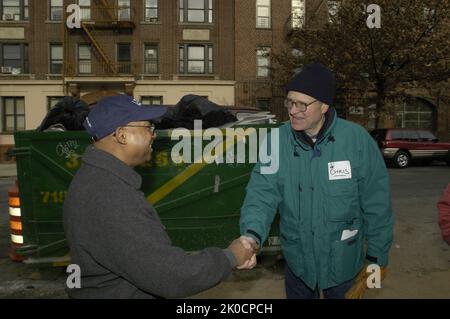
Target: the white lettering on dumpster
(233, 146)
(74, 278)
(67, 149)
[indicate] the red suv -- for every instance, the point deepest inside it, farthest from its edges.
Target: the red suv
(404, 145)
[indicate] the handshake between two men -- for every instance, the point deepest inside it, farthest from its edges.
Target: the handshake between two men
(244, 250)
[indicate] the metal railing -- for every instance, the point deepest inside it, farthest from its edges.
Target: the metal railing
(124, 67)
(84, 67)
(151, 67)
(107, 14)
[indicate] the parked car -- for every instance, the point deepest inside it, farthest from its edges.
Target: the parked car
(401, 146)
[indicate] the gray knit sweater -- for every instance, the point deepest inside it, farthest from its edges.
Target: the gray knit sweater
(120, 244)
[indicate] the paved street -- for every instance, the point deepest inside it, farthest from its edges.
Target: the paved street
(420, 260)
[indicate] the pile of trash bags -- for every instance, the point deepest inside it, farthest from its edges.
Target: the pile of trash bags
(70, 113)
(67, 115)
(194, 107)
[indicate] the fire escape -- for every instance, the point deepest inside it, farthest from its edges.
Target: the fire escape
(95, 19)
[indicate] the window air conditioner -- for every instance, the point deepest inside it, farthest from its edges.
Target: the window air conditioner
(354, 110)
(8, 16)
(16, 71)
(6, 69)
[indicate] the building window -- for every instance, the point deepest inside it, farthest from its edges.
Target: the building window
(84, 59)
(85, 9)
(298, 14)
(124, 58)
(262, 61)
(196, 59)
(14, 10)
(56, 10)
(124, 10)
(263, 14)
(52, 101)
(13, 114)
(151, 11)
(151, 62)
(333, 11)
(56, 58)
(14, 58)
(263, 104)
(152, 100)
(199, 11)
(416, 113)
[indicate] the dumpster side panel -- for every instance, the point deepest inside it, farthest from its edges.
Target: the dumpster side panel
(46, 163)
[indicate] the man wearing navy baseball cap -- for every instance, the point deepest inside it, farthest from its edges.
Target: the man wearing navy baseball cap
(115, 236)
(332, 191)
(116, 117)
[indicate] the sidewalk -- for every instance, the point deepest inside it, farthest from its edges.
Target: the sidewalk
(8, 170)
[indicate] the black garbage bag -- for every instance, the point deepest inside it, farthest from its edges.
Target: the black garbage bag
(68, 114)
(194, 107)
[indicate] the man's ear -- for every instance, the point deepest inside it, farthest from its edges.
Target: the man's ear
(324, 108)
(120, 135)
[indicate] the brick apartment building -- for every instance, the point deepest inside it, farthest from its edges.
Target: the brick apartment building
(156, 50)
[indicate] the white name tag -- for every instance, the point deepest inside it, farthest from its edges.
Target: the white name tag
(339, 170)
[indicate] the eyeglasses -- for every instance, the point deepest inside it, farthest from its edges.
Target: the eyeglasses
(302, 107)
(151, 128)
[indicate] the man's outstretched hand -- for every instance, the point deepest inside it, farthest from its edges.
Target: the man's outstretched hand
(242, 253)
(249, 242)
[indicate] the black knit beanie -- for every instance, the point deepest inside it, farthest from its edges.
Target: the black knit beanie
(316, 81)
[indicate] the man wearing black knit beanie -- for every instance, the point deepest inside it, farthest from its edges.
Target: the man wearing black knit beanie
(332, 192)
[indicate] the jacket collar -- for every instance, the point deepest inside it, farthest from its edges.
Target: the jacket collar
(104, 160)
(300, 137)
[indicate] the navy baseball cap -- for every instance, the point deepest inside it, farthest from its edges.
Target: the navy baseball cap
(115, 111)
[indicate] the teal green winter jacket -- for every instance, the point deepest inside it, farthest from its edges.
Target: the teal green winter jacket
(334, 202)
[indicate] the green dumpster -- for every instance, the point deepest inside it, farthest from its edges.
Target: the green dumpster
(198, 203)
